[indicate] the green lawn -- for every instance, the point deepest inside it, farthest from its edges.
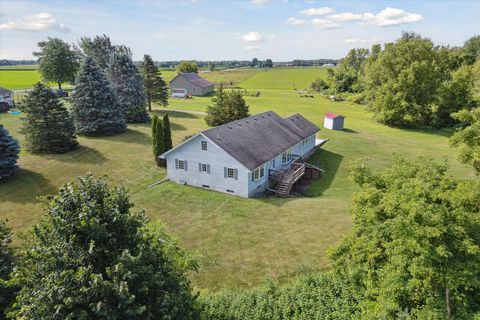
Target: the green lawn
(14, 79)
(240, 241)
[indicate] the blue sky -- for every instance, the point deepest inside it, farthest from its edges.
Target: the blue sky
(216, 30)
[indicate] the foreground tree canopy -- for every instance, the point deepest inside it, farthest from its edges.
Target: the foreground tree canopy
(9, 151)
(128, 85)
(415, 245)
(227, 106)
(58, 63)
(7, 262)
(48, 126)
(96, 110)
(92, 258)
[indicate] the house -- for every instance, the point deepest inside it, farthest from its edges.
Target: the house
(333, 121)
(6, 100)
(247, 156)
(190, 84)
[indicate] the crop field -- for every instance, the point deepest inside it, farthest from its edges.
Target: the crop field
(18, 77)
(239, 242)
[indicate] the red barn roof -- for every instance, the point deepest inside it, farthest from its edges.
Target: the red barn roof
(332, 115)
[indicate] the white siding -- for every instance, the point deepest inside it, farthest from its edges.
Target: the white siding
(328, 123)
(216, 158)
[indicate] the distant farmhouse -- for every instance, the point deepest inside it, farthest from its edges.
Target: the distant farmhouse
(190, 84)
(247, 156)
(6, 101)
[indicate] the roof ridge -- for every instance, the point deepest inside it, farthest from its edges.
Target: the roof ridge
(243, 119)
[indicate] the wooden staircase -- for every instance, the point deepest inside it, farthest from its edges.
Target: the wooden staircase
(288, 179)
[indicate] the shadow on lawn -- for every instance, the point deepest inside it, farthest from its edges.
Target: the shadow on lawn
(173, 126)
(175, 114)
(82, 154)
(326, 160)
(349, 131)
(24, 187)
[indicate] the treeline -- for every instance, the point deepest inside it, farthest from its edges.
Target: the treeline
(7, 62)
(224, 64)
(411, 82)
(311, 63)
(413, 253)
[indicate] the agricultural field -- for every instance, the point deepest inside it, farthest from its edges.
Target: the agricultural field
(19, 77)
(239, 242)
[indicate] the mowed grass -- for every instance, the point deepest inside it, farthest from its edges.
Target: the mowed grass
(240, 241)
(14, 79)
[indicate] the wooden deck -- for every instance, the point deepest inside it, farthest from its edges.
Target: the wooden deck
(288, 178)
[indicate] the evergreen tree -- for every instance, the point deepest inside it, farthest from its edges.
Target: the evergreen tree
(158, 142)
(128, 85)
(92, 258)
(9, 150)
(96, 110)
(101, 50)
(58, 62)
(155, 87)
(7, 262)
(167, 133)
(48, 126)
(228, 106)
(155, 120)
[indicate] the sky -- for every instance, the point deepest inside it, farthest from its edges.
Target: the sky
(281, 30)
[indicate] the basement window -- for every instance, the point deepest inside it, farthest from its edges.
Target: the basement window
(230, 191)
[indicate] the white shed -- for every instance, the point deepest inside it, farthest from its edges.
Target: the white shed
(333, 121)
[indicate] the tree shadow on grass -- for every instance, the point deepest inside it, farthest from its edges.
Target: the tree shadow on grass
(174, 126)
(82, 154)
(24, 187)
(346, 130)
(129, 136)
(175, 114)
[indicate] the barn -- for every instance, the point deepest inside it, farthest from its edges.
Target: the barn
(192, 84)
(333, 121)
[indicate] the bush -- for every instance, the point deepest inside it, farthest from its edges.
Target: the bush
(319, 85)
(358, 98)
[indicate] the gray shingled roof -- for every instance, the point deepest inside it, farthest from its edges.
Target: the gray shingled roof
(196, 79)
(257, 139)
(4, 91)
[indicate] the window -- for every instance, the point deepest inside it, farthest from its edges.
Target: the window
(205, 186)
(272, 164)
(204, 145)
(287, 156)
(230, 173)
(230, 191)
(258, 173)
(203, 167)
(181, 164)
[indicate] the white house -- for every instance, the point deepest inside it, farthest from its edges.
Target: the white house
(247, 156)
(333, 121)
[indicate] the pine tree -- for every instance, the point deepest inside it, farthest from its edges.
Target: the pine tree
(154, 135)
(167, 133)
(9, 150)
(127, 82)
(227, 106)
(155, 87)
(96, 110)
(48, 126)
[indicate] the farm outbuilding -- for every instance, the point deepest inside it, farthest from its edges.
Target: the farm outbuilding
(334, 121)
(192, 84)
(6, 101)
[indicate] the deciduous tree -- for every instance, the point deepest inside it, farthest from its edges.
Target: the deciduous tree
(48, 126)
(96, 110)
(467, 138)
(415, 244)
(58, 62)
(187, 66)
(9, 151)
(7, 263)
(92, 258)
(155, 87)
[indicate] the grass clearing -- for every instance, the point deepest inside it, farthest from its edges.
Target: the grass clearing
(240, 241)
(14, 79)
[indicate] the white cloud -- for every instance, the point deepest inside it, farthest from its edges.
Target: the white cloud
(391, 17)
(324, 24)
(296, 22)
(251, 48)
(253, 36)
(364, 40)
(345, 17)
(317, 11)
(259, 1)
(42, 21)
